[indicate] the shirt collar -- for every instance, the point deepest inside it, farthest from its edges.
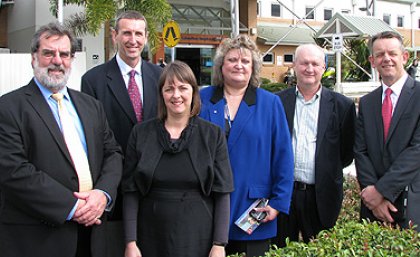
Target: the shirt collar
(397, 86)
(46, 93)
(250, 97)
(125, 68)
(316, 96)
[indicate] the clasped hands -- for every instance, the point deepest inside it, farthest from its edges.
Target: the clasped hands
(90, 207)
(379, 206)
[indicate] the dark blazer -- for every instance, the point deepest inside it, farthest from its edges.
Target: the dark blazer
(37, 178)
(105, 83)
(334, 148)
(394, 164)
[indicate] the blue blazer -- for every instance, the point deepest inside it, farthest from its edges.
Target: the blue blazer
(260, 153)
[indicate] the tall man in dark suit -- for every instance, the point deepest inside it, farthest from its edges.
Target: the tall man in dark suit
(321, 123)
(109, 83)
(46, 208)
(387, 147)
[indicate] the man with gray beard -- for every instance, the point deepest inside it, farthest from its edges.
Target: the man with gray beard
(59, 162)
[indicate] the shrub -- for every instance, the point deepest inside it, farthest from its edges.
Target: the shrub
(274, 87)
(351, 238)
(355, 239)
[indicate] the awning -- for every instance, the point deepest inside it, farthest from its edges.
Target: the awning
(353, 26)
(203, 19)
(270, 33)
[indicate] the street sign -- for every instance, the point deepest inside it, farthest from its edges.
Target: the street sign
(171, 34)
(337, 40)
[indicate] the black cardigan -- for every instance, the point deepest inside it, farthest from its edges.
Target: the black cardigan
(206, 146)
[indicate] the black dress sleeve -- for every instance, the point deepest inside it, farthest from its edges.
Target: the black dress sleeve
(130, 210)
(221, 218)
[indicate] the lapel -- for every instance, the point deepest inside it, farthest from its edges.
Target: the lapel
(402, 104)
(245, 111)
(373, 115)
(149, 90)
(117, 86)
(326, 109)
(289, 104)
(242, 117)
(37, 101)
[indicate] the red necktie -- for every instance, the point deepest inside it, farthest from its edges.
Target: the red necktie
(135, 97)
(387, 111)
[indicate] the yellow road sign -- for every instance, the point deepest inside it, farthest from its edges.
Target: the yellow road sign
(171, 34)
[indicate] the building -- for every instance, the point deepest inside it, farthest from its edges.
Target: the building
(278, 26)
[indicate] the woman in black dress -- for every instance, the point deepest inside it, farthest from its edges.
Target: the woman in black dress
(177, 177)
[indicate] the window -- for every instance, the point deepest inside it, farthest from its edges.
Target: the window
(79, 47)
(288, 58)
(268, 58)
(345, 11)
(387, 18)
(258, 8)
(275, 10)
(309, 10)
(400, 21)
(327, 14)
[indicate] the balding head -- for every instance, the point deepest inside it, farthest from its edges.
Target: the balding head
(309, 65)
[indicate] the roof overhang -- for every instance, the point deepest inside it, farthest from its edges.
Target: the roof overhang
(353, 26)
(203, 19)
(271, 33)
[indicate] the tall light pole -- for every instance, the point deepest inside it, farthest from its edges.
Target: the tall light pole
(234, 12)
(60, 11)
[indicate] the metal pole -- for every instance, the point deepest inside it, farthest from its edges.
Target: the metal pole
(234, 6)
(60, 11)
(338, 87)
(413, 13)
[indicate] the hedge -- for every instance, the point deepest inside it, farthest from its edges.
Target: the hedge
(353, 238)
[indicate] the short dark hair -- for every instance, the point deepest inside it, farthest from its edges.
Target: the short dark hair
(386, 34)
(183, 72)
(130, 15)
(238, 42)
(53, 29)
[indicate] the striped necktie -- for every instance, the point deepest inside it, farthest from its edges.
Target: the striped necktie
(74, 145)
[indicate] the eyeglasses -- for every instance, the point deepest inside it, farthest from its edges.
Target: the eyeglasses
(49, 54)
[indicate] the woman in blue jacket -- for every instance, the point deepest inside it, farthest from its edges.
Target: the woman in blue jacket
(260, 149)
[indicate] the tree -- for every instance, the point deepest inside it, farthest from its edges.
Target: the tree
(98, 12)
(357, 50)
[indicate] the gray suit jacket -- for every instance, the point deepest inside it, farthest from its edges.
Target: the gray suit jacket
(334, 148)
(37, 177)
(394, 164)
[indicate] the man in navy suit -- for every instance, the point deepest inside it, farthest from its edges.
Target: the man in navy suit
(387, 150)
(109, 82)
(43, 210)
(321, 124)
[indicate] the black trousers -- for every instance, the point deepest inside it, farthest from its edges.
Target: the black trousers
(303, 217)
(252, 248)
(83, 241)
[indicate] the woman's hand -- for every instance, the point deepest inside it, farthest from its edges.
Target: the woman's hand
(271, 213)
(131, 250)
(217, 251)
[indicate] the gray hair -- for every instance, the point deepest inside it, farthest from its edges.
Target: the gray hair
(53, 29)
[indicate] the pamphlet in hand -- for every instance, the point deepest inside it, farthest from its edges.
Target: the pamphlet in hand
(251, 219)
